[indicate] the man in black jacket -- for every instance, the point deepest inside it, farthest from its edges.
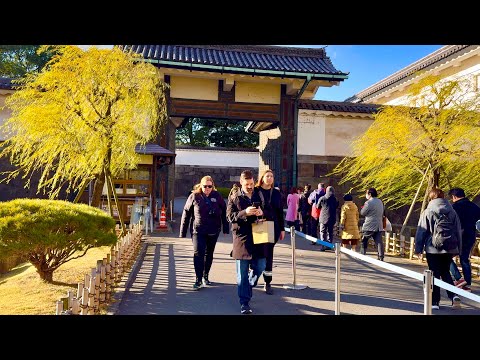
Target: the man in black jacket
(242, 210)
(469, 213)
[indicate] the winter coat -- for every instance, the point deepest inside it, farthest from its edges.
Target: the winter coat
(426, 224)
(468, 213)
(207, 218)
(273, 209)
(292, 207)
(373, 211)
(304, 207)
(243, 246)
(349, 220)
(328, 204)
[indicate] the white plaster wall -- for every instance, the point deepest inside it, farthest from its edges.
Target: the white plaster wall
(470, 74)
(324, 133)
(340, 133)
(216, 158)
(311, 133)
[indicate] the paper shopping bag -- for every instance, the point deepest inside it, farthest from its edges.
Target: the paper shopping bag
(263, 232)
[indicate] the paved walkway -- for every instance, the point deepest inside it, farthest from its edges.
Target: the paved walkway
(161, 283)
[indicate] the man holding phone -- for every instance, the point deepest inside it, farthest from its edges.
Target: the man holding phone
(243, 208)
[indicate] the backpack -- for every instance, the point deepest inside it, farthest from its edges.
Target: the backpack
(443, 237)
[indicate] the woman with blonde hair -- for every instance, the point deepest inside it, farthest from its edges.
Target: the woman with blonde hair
(271, 204)
(207, 207)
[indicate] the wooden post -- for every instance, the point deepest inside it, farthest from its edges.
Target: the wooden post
(75, 307)
(412, 242)
(387, 242)
(70, 298)
(79, 290)
(84, 305)
(91, 296)
(103, 282)
(402, 245)
(59, 307)
(394, 241)
(97, 286)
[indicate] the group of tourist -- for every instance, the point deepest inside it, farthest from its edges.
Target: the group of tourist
(314, 212)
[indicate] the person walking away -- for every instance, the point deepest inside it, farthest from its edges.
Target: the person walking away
(242, 211)
(468, 213)
(439, 234)
(315, 214)
(327, 204)
(373, 211)
(208, 210)
(271, 204)
(349, 217)
(305, 209)
(293, 200)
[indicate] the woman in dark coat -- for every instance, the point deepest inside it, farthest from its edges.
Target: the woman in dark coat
(208, 209)
(271, 204)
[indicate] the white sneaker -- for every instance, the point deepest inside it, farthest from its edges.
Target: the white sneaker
(435, 307)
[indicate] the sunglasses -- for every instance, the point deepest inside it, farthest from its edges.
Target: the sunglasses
(207, 186)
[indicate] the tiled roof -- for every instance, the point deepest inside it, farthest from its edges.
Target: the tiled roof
(429, 60)
(337, 106)
(265, 58)
(152, 149)
(6, 83)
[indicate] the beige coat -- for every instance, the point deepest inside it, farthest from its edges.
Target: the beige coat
(349, 220)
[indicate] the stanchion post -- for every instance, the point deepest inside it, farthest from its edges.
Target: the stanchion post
(293, 286)
(427, 292)
(337, 278)
(294, 272)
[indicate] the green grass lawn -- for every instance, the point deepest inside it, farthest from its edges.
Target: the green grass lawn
(22, 292)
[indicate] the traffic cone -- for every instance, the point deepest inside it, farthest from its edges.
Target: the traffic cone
(163, 219)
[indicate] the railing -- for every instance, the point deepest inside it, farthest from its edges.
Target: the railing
(95, 292)
(426, 277)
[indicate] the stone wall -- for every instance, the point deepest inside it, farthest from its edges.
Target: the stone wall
(188, 175)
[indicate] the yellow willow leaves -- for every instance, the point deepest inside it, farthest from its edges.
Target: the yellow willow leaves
(438, 126)
(87, 108)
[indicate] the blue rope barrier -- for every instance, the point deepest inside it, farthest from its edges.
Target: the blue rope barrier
(313, 239)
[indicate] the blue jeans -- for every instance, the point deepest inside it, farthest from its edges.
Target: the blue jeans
(464, 262)
(243, 285)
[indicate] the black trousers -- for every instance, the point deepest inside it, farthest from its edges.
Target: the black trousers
(377, 237)
(268, 274)
(440, 266)
(203, 248)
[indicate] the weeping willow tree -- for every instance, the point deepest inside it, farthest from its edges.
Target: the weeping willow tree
(81, 117)
(436, 137)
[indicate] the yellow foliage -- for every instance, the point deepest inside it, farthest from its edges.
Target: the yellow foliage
(439, 127)
(84, 112)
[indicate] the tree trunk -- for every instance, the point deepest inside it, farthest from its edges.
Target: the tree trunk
(45, 275)
(97, 189)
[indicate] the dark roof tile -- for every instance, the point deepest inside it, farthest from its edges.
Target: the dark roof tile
(437, 56)
(265, 57)
(152, 149)
(338, 106)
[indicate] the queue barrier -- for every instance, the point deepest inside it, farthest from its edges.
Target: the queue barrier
(427, 277)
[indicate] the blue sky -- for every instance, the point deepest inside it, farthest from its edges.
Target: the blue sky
(367, 64)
